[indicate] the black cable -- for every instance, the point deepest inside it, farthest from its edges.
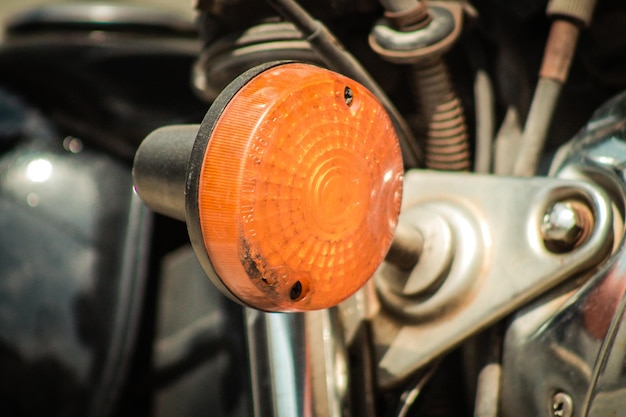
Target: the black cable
(339, 59)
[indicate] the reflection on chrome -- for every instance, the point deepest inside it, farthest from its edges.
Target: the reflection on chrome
(39, 170)
(32, 199)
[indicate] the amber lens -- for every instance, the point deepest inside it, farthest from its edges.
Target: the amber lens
(300, 189)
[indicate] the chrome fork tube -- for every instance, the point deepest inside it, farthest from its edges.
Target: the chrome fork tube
(297, 364)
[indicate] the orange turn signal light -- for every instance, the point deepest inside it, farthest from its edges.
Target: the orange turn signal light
(293, 187)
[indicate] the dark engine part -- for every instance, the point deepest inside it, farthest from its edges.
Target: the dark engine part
(128, 63)
(73, 251)
(75, 238)
(240, 14)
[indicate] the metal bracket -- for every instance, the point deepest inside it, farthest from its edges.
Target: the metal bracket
(572, 340)
(498, 260)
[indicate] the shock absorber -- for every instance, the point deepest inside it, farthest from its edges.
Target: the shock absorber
(416, 34)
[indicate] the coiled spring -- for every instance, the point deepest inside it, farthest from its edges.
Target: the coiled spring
(441, 120)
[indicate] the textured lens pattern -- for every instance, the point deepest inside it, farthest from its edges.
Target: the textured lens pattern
(300, 189)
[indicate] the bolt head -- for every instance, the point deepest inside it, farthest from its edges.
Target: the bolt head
(562, 405)
(562, 226)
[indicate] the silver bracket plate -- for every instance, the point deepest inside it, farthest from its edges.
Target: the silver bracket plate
(499, 261)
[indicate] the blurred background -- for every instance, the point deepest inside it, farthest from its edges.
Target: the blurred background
(10, 7)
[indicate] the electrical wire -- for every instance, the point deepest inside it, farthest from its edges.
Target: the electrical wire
(340, 60)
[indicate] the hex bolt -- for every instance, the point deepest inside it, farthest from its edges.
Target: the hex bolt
(566, 225)
(562, 405)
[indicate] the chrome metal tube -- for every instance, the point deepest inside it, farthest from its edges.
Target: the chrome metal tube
(557, 59)
(536, 127)
(298, 364)
(485, 123)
